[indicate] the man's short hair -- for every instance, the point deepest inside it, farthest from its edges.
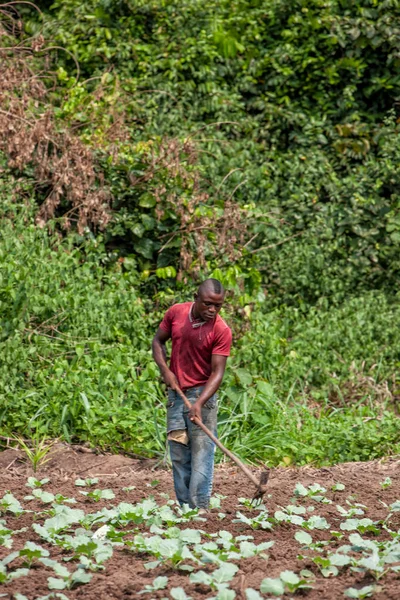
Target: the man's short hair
(214, 284)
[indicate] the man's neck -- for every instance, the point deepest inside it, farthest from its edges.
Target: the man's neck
(195, 314)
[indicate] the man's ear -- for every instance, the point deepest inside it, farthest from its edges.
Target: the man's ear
(195, 296)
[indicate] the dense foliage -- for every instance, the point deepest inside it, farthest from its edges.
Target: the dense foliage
(256, 140)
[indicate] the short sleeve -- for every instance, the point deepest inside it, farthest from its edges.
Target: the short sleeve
(166, 323)
(223, 341)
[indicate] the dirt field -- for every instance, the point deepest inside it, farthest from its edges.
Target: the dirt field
(125, 575)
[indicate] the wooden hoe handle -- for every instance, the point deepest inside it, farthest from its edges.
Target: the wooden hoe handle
(216, 441)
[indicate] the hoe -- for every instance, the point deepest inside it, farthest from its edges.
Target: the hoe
(261, 486)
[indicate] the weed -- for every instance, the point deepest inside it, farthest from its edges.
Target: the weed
(37, 451)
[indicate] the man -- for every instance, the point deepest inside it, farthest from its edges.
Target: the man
(201, 342)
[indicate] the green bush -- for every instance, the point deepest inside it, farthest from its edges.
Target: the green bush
(286, 113)
(76, 361)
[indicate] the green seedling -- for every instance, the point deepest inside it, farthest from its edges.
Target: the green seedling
(303, 538)
(83, 545)
(49, 498)
(69, 581)
(351, 512)
(360, 525)
(329, 565)
(60, 499)
(36, 483)
(350, 502)
(173, 551)
(336, 535)
(364, 592)
(5, 575)
(249, 503)
(338, 487)
(395, 507)
(290, 514)
(86, 482)
(153, 483)
(8, 503)
(316, 522)
(386, 483)
(293, 582)
(129, 488)
(63, 518)
(306, 541)
(261, 521)
(185, 513)
(187, 536)
(5, 535)
(248, 549)
(232, 548)
(215, 501)
(178, 593)
(218, 579)
(31, 553)
(252, 594)
(97, 495)
(287, 581)
(314, 491)
(224, 593)
(378, 556)
(39, 494)
(159, 583)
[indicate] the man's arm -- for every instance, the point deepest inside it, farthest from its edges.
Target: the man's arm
(160, 357)
(218, 363)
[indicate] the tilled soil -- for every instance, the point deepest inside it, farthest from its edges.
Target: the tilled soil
(125, 576)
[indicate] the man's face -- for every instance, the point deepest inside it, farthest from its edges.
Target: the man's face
(208, 304)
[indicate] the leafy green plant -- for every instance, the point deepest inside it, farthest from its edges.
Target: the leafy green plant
(260, 521)
(386, 483)
(42, 495)
(36, 483)
(172, 551)
(8, 503)
(159, 583)
(86, 482)
(37, 451)
(63, 518)
(178, 593)
(5, 535)
(218, 579)
(314, 491)
(97, 495)
(31, 553)
(338, 487)
(350, 512)
(287, 580)
(360, 525)
(67, 580)
(365, 592)
(6, 575)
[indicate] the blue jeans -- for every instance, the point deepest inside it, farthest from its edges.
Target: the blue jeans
(192, 464)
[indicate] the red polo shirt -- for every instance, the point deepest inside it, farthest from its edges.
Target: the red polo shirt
(192, 347)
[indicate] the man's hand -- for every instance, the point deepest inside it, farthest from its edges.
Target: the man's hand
(170, 380)
(195, 412)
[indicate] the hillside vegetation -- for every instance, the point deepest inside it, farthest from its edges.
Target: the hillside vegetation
(145, 145)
